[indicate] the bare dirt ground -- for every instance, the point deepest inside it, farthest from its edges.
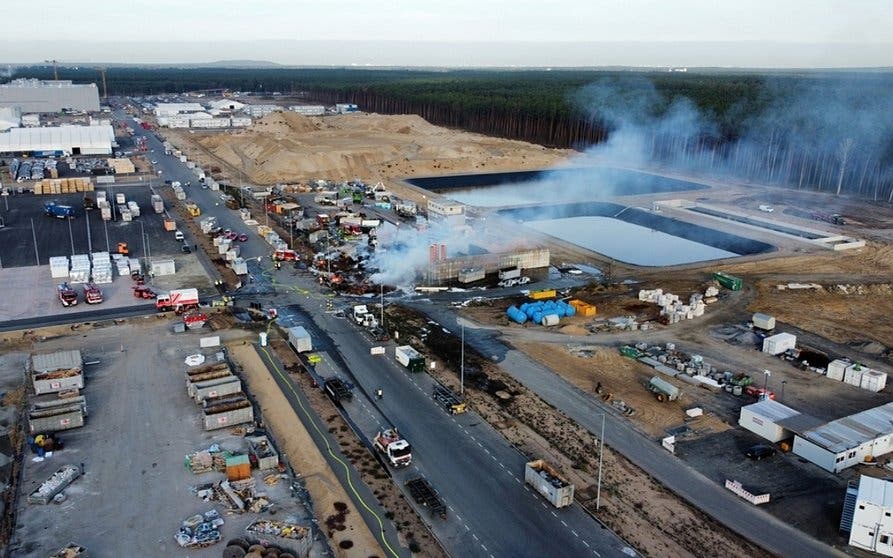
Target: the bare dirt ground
(639, 509)
(411, 528)
(288, 147)
(841, 312)
(321, 482)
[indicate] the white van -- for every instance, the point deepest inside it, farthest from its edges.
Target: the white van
(178, 235)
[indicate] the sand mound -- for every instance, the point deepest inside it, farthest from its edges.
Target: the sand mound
(289, 147)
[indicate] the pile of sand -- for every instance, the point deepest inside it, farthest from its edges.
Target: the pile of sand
(289, 147)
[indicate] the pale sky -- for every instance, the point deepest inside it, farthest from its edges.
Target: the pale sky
(845, 32)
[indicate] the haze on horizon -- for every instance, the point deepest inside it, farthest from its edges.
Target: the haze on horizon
(759, 33)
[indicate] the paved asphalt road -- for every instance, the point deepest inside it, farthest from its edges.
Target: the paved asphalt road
(751, 522)
(488, 509)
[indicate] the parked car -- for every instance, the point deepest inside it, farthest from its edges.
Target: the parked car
(186, 249)
(242, 237)
(759, 451)
(231, 235)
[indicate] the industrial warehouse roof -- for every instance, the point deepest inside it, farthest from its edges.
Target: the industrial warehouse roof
(52, 139)
(174, 108)
(876, 491)
(852, 431)
(63, 360)
(772, 410)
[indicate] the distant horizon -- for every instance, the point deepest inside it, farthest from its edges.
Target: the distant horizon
(393, 54)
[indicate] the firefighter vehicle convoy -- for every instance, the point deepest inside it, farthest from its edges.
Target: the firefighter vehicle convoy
(393, 447)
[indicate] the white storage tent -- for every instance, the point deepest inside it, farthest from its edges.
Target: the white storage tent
(71, 140)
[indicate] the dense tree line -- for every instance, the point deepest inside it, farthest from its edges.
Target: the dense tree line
(806, 130)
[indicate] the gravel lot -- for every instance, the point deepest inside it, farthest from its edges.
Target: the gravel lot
(141, 424)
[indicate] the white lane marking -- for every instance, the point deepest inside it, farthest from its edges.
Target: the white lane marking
(554, 514)
(586, 543)
(475, 537)
(459, 517)
(517, 481)
(484, 547)
(575, 533)
(563, 523)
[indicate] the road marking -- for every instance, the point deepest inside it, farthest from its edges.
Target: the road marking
(554, 514)
(563, 522)
(484, 547)
(467, 528)
(517, 481)
(480, 444)
(547, 507)
(459, 517)
(475, 537)
(575, 533)
(501, 464)
(586, 543)
(597, 554)
(451, 507)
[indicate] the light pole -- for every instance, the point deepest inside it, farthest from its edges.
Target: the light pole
(462, 364)
(382, 307)
(783, 382)
(601, 451)
(89, 237)
(766, 375)
(105, 225)
(291, 228)
(34, 236)
(70, 235)
(145, 245)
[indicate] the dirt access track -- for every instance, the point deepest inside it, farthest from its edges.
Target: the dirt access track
(288, 147)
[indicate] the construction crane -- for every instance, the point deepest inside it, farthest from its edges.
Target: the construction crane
(55, 68)
(105, 89)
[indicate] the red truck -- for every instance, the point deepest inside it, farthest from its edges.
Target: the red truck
(67, 295)
(285, 256)
(178, 300)
(92, 294)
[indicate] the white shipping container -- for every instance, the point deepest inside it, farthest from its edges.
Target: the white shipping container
(853, 375)
(872, 380)
(300, 339)
(836, 369)
(162, 267)
(777, 344)
(119, 198)
(239, 266)
(763, 321)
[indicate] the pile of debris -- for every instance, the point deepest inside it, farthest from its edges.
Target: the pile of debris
(673, 310)
(206, 461)
(200, 530)
(238, 496)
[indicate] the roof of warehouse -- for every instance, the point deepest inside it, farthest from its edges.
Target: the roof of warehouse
(852, 431)
(876, 491)
(54, 138)
(180, 107)
(772, 410)
(61, 360)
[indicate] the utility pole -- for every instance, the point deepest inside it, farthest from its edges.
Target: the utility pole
(105, 89)
(382, 307)
(105, 225)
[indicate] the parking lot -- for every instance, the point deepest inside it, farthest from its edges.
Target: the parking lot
(59, 237)
(140, 426)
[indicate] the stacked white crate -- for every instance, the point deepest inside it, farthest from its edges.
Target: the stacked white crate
(126, 215)
(102, 267)
(224, 246)
(232, 253)
(136, 266)
(123, 265)
(59, 267)
(105, 210)
(134, 208)
(80, 269)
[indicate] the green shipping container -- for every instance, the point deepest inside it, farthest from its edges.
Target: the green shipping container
(728, 281)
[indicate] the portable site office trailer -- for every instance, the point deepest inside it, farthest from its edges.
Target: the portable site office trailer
(848, 441)
(763, 417)
(410, 358)
(779, 343)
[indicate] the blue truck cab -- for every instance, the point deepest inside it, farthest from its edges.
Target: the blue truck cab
(53, 209)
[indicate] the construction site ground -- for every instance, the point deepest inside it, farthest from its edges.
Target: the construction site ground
(288, 147)
(140, 426)
(320, 481)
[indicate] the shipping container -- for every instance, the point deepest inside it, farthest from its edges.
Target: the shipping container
(57, 414)
(300, 339)
(779, 343)
(410, 358)
(543, 294)
(226, 411)
(264, 454)
(546, 480)
(471, 275)
(513, 273)
(217, 387)
(837, 368)
(728, 281)
(763, 321)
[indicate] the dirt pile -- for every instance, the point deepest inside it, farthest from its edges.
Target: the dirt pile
(288, 147)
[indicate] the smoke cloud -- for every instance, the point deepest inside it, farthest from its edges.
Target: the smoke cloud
(403, 254)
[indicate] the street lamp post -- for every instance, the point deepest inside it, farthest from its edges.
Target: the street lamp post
(382, 307)
(783, 382)
(462, 364)
(601, 451)
(105, 226)
(34, 236)
(766, 375)
(89, 237)
(70, 235)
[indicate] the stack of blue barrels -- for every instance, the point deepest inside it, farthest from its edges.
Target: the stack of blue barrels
(545, 313)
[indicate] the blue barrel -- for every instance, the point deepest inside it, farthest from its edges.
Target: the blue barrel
(537, 317)
(569, 310)
(516, 315)
(524, 306)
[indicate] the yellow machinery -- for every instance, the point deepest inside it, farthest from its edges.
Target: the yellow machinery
(543, 294)
(193, 209)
